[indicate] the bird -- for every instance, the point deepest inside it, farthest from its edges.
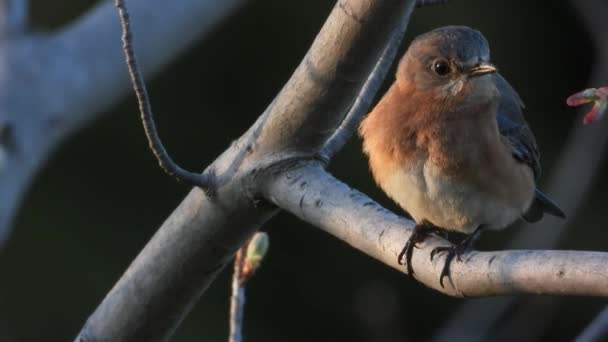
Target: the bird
(448, 142)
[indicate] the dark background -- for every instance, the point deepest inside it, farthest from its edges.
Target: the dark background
(85, 219)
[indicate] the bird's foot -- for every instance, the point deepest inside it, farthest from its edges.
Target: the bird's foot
(457, 251)
(421, 231)
(452, 251)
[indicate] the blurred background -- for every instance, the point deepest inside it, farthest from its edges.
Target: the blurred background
(83, 220)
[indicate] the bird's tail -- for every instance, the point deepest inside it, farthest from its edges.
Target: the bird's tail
(542, 204)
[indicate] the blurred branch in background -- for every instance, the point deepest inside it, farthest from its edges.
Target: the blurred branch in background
(579, 160)
(13, 18)
(52, 84)
(597, 330)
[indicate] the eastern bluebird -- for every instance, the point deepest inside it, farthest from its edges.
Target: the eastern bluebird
(448, 142)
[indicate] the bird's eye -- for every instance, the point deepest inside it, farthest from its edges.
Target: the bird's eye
(441, 67)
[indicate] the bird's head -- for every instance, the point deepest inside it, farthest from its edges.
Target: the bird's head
(449, 62)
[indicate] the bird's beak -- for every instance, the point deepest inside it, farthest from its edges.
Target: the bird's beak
(481, 69)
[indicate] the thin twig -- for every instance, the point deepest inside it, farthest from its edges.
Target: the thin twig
(248, 259)
(237, 299)
(164, 160)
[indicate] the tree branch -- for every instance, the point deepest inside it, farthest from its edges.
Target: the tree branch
(364, 100)
(597, 330)
(13, 17)
(162, 284)
(331, 75)
(478, 317)
(273, 160)
(76, 73)
(316, 197)
(237, 298)
(145, 109)
(200, 236)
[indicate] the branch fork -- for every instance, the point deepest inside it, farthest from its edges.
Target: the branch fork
(309, 118)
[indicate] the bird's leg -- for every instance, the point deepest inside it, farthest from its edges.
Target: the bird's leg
(455, 251)
(421, 231)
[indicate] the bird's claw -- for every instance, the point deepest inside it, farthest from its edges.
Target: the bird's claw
(438, 250)
(452, 251)
(407, 252)
(421, 231)
(404, 251)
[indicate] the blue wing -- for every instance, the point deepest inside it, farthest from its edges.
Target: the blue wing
(513, 126)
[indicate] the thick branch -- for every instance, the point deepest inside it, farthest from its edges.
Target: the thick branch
(200, 236)
(162, 284)
(154, 294)
(330, 76)
(318, 198)
(363, 101)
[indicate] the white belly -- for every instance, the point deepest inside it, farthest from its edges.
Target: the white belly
(449, 204)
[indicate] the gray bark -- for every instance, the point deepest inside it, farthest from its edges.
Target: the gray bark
(273, 165)
(316, 197)
(201, 236)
